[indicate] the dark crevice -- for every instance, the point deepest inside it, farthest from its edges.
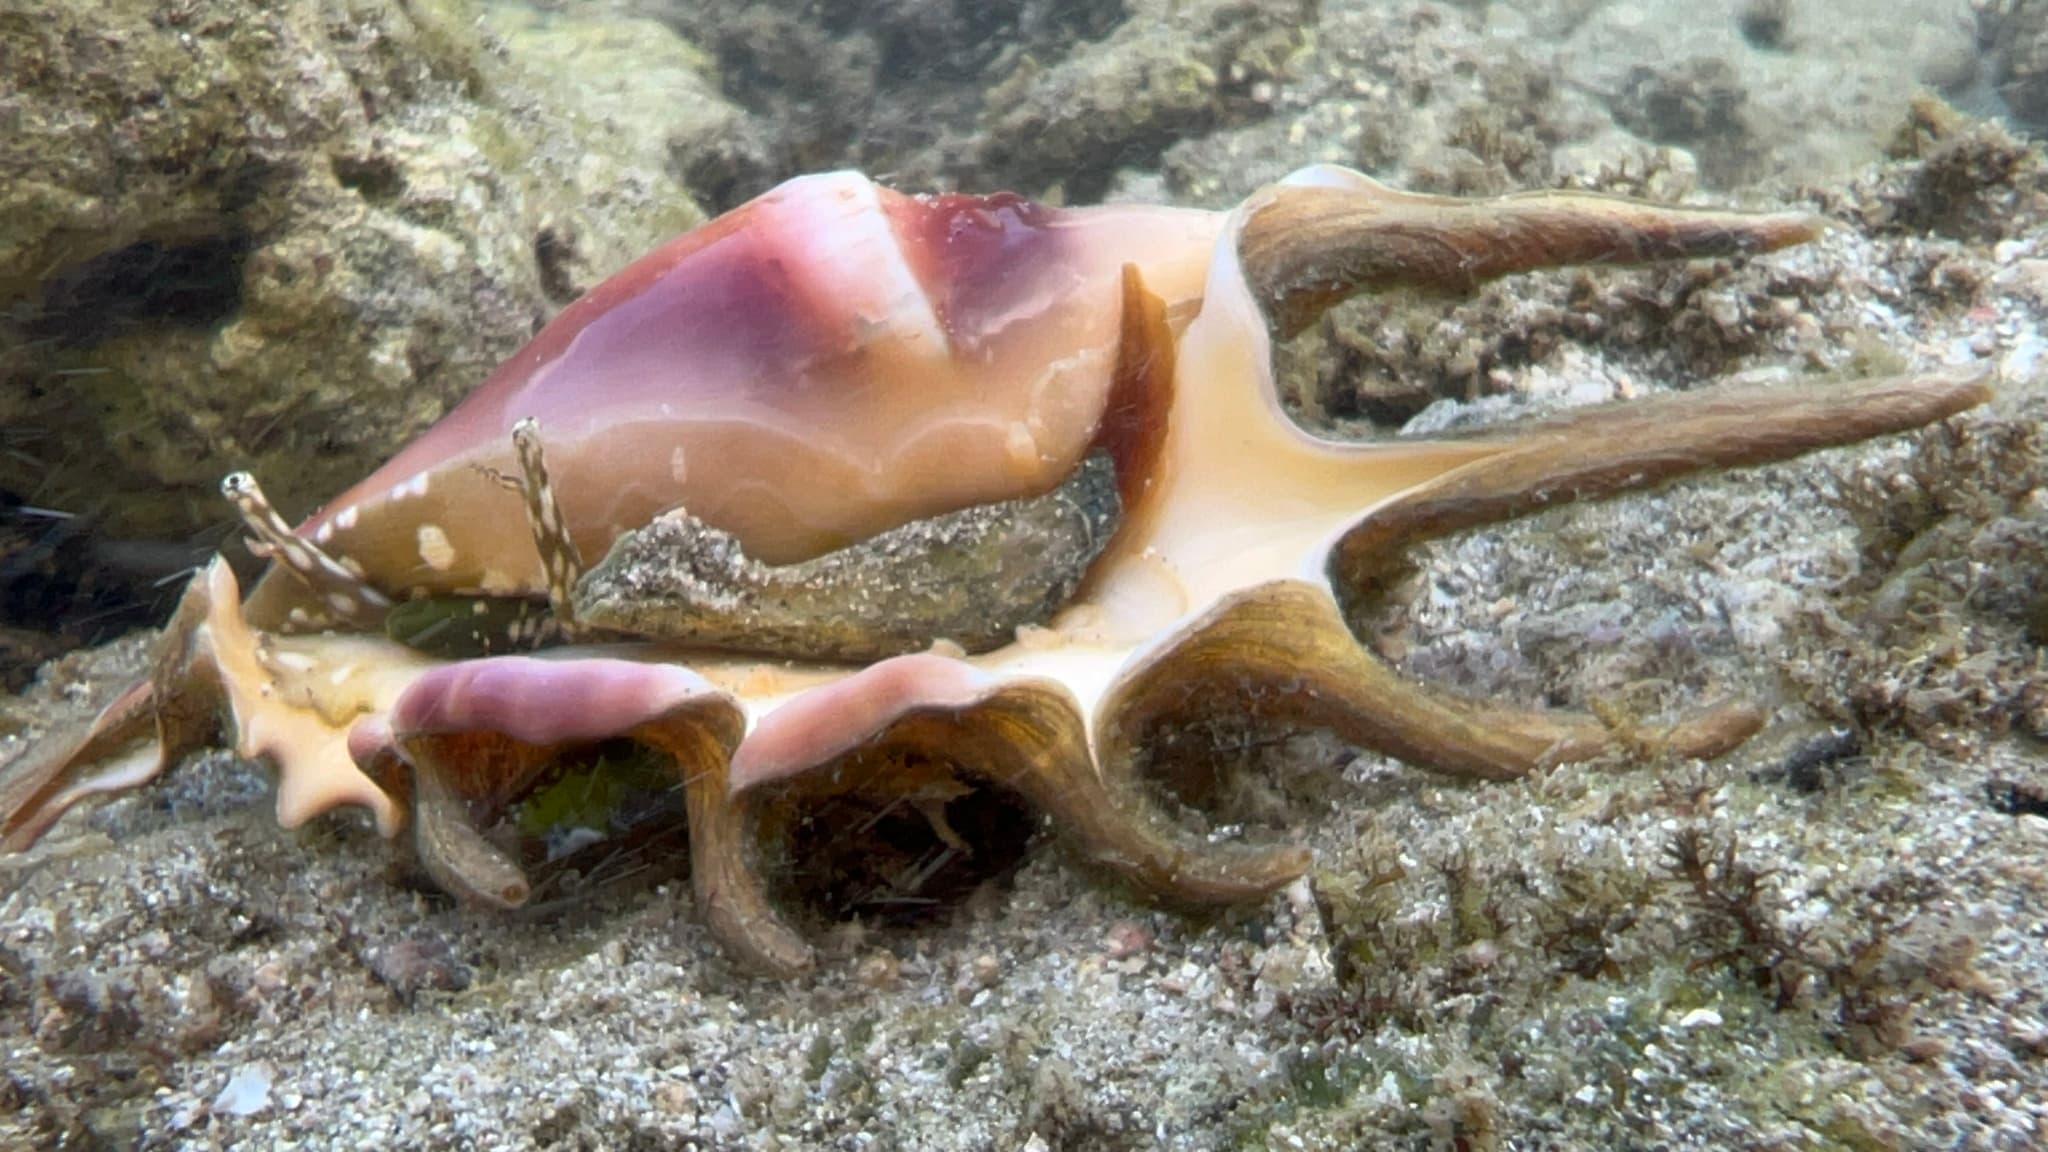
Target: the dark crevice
(552, 253)
(193, 284)
(64, 585)
(607, 818)
(880, 859)
(377, 178)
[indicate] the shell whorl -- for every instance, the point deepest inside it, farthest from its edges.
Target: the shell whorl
(826, 362)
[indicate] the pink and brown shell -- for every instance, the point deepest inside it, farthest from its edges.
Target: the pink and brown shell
(839, 407)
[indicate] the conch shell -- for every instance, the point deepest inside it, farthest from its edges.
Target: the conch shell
(912, 499)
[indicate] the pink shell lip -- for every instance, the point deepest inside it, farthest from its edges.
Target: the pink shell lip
(541, 701)
(898, 743)
(829, 722)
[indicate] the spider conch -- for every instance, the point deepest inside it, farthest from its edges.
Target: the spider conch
(915, 497)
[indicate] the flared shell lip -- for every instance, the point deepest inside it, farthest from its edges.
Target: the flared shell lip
(828, 722)
(539, 701)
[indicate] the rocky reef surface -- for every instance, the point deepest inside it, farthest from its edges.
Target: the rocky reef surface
(290, 235)
(287, 236)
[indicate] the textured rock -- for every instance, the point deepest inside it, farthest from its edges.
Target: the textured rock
(2015, 32)
(283, 237)
(1170, 71)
